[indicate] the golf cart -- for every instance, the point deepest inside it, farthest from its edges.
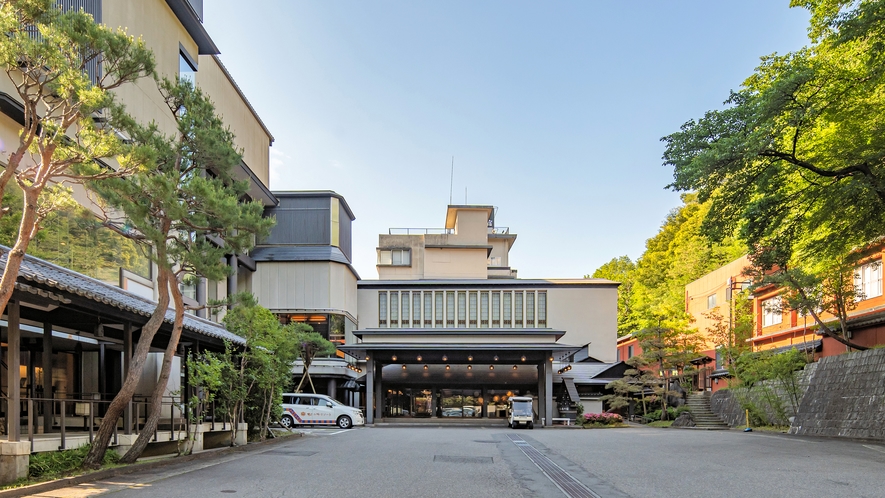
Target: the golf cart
(519, 412)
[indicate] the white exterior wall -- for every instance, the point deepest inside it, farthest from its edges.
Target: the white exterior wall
(455, 263)
(309, 285)
(587, 314)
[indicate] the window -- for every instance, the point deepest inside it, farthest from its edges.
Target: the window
(450, 309)
(394, 257)
(405, 305)
(711, 301)
(438, 317)
(187, 70)
(496, 309)
(772, 312)
(416, 309)
(394, 309)
(428, 309)
(868, 281)
(530, 309)
(517, 313)
(508, 312)
(462, 309)
(473, 299)
(630, 351)
(382, 309)
(484, 309)
(542, 309)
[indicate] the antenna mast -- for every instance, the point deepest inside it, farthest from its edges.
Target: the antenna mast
(452, 180)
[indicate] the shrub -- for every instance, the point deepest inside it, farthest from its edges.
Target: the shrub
(602, 418)
(57, 463)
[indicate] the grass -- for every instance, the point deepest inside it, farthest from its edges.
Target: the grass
(50, 465)
(660, 423)
(767, 428)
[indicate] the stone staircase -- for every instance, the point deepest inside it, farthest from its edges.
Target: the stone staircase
(704, 418)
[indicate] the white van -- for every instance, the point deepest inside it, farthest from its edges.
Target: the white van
(318, 409)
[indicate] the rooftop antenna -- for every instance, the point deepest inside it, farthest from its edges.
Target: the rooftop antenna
(452, 180)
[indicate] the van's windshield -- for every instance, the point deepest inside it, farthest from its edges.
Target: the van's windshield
(522, 408)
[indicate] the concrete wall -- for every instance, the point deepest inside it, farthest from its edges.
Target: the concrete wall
(455, 263)
(309, 285)
(587, 314)
(713, 283)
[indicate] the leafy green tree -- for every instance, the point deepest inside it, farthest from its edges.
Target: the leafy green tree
(187, 208)
(620, 269)
(70, 119)
(311, 345)
(638, 380)
(256, 377)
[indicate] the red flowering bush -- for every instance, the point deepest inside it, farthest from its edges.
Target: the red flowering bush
(603, 418)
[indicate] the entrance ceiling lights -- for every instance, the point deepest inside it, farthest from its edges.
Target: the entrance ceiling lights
(419, 357)
(496, 357)
(445, 358)
(404, 366)
(469, 367)
(393, 357)
(491, 367)
(551, 358)
(448, 367)
(523, 358)
(514, 367)
(470, 358)
(425, 367)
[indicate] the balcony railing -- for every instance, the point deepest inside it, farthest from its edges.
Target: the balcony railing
(421, 231)
(499, 230)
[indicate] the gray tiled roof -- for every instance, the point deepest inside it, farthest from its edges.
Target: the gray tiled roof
(299, 253)
(584, 373)
(42, 272)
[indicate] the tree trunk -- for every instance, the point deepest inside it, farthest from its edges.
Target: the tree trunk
(26, 230)
(153, 419)
(103, 437)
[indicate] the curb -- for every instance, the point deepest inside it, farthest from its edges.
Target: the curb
(136, 467)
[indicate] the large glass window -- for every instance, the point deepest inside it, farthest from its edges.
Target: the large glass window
(483, 309)
(438, 315)
(869, 281)
(473, 299)
(382, 309)
(508, 312)
(496, 309)
(517, 313)
(462, 309)
(450, 309)
(530, 309)
(394, 309)
(428, 309)
(405, 304)
(772, 311)
(394, 257)
(416, 309)
(186, 70)
(542, 309)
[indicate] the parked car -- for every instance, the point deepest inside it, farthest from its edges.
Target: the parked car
(318, 409)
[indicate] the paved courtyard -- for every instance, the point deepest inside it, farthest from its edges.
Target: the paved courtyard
(472, 462)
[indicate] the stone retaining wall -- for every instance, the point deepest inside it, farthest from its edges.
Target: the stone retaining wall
(728, 404)
(843, 396)
(846, 397)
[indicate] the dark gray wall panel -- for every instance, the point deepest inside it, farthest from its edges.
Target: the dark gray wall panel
(301, 221)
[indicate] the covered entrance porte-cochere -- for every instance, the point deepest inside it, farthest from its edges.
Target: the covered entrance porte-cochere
(457, 381)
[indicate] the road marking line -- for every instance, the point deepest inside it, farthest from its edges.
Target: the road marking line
(875, 448)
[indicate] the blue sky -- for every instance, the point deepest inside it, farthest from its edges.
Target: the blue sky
(553, 111)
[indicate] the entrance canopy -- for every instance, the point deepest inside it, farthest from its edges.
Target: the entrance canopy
(443, 353)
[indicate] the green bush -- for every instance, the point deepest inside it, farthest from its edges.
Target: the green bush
(58, 463)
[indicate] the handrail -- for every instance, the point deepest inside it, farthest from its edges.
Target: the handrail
(420, 231)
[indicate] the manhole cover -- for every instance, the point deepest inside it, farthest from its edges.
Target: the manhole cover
(461, 459)
(293, 453)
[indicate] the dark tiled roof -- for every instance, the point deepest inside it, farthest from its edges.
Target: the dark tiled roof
(41, 272)
(584, 373)
(299, 253)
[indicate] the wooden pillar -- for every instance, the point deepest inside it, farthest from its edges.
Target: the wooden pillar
(102, 377)
(370, 391)
(47, 377)
(127, 361)
(13, 373)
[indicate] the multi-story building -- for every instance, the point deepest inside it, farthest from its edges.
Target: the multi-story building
(448, 330)
(779, 327)
(70, 327)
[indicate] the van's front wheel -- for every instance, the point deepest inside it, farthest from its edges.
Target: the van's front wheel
(287, 421)
(344, 422)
